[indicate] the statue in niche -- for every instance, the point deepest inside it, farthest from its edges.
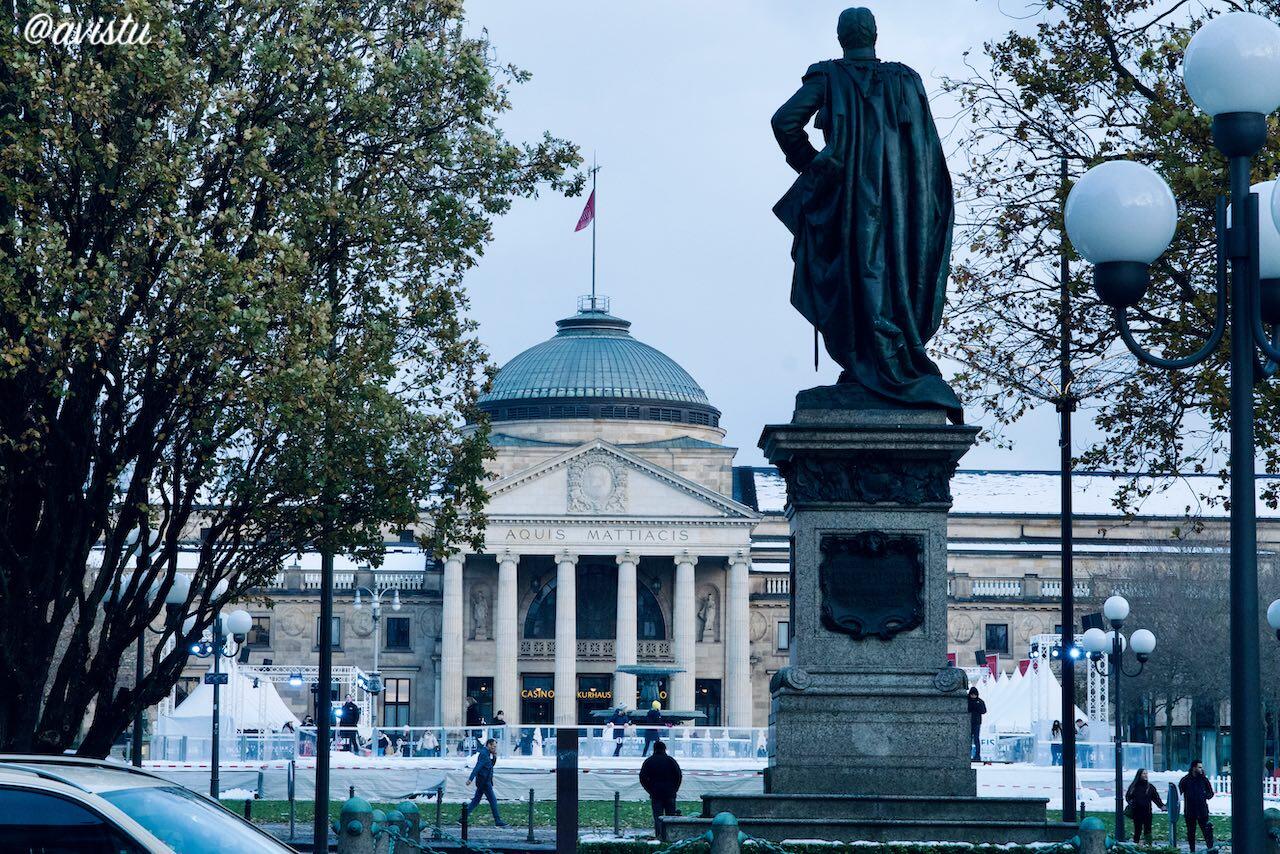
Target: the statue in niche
(480, 626)
(707, 617)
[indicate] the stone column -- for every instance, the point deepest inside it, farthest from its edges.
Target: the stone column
(451, 643)
(624, 684)
(737, 648)
(506, 695)
(566, 706)
(683, 616)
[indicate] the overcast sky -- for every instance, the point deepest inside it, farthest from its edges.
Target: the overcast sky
(675, 97)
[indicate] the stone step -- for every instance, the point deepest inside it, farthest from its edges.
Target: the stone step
(920, 807)
(880, 830)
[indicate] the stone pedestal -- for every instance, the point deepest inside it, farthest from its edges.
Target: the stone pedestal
(868, 705)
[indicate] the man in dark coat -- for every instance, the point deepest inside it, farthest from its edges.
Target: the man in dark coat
(1196, 791)
(871, 217)
(351, 717)
(482, 776)
(977, 709)
(660, 776)
(651, 733)
(619, 721)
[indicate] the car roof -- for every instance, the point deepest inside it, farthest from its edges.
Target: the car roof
(90, 775)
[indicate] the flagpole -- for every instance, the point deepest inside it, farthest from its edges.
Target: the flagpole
(594, 170)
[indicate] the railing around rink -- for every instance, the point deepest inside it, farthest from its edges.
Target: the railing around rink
(233, 747)
(464, 742)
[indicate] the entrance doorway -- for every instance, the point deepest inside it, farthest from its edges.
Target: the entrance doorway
(480, 689)
(594, 693)
(537, 698)
(706, 697)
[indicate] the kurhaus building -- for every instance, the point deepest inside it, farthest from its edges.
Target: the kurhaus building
(620, 532)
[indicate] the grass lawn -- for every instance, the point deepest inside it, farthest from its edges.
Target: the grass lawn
(592, 815)
(1160, 827)
(598, 815)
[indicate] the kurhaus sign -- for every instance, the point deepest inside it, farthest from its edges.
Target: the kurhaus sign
(594, 535)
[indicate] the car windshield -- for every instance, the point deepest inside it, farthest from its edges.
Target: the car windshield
(189, 823)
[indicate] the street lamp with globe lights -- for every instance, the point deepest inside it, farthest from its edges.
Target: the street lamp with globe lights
(231, 627)
(1112, 645)
(375, 678)
(1121, 217)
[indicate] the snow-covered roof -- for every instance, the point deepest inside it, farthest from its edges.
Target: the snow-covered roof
(1037, 493)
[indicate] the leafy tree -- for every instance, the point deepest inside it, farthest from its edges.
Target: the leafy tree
(230, 276)
(1093, 80)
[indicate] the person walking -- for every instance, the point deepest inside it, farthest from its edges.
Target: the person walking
(660, 776)
(977, 709)
(654, 719)
(1055, 743)
(619, 722)
(482, 776)
(1084, 751)
(1140, 797)
(1196, 792)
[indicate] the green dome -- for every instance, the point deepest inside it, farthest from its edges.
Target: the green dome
(593, 368)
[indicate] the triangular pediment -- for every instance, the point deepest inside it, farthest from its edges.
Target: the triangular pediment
(600, 480)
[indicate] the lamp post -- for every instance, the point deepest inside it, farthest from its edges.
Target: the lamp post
(1112, 644)
(1121, 216)
(375, 678)
(234, 627)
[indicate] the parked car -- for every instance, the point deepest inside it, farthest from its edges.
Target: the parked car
(69, 805)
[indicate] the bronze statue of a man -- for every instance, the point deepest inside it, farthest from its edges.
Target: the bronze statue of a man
(871, 216)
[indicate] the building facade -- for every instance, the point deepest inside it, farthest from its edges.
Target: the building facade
(619, 531)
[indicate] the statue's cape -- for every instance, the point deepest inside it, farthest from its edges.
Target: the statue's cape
(872, 231)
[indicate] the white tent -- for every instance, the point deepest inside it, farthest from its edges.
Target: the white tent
(246, 702)
(1029, 703)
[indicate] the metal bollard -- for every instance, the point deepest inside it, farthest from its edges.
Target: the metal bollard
(462, 820)
(617, 814)
(1272, 819)
(248, 809)
(1093, 836)
(724, 834)
(529, 838)
(355, 827)
(410, 827)
(435, 834)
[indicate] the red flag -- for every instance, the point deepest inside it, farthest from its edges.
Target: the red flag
(588, 212)
(1023, 665)
(993, 664)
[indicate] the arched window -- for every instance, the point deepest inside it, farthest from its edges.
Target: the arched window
(650, 624)
(597, 602)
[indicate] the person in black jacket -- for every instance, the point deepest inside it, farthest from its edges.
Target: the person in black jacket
(619, 721)
(977, 709)
(651, 733)
(351, 717)
(660, 776)
(1196, 791)
(482, 776)
(1140, 797)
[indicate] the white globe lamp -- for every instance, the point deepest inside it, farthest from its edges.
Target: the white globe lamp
(239, 622)
(1116, 609)
(1121, 217)
(1143, 643)
(1232, 71)
(1095, 641)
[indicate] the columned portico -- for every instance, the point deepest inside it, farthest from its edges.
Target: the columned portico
(506, 693)
(683, 614)
(451, 643)
(737, 651)
(624, 684)
(566, 672)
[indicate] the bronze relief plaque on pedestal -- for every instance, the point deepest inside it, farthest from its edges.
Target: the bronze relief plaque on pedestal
(872, 583)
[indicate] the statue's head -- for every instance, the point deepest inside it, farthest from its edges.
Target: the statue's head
(856, 28)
